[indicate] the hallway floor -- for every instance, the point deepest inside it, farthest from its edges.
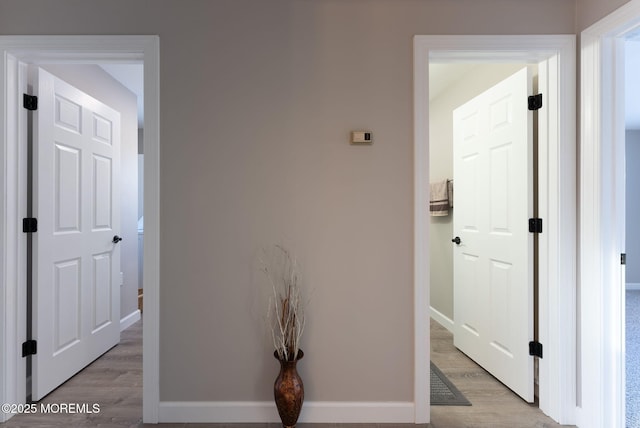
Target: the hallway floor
(493, 405)
(632, 362)
(114, 381)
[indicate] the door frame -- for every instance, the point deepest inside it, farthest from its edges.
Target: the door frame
(557, 206)
(602, 219)
(15, 50)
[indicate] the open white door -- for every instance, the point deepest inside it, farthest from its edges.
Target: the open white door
(493, 259)
(76, 258)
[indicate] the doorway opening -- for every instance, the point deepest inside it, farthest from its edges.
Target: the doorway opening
(80, 50)
(557, 180)
(451, 87)
(631, 270)
(86, 114)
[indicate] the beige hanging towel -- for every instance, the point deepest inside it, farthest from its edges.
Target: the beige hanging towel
(439, 202)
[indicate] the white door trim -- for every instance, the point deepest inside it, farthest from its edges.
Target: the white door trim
(602, 217)
(557, 207)
(71, 49)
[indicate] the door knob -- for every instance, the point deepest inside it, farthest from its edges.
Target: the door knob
(116, 239)
(456, 240)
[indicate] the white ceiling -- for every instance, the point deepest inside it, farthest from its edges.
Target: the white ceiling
(131, 77)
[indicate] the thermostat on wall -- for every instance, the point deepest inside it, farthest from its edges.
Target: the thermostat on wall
(361, 137)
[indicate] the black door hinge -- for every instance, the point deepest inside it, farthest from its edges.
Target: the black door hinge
(535, 225)
(535, 102)
(30, 102)
(30, 347)
(29, 225)
(535, 349)
(623, 259)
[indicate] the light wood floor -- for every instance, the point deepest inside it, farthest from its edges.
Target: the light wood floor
(493, 404)
(114, 381)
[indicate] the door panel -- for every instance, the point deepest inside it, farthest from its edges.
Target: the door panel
(67, 304)
(493, 265)
(76, 294)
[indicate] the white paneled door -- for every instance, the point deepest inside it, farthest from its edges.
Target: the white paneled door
(493, 249)
(76, 256)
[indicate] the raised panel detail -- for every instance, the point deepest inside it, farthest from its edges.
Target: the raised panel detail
(503, 349)
(499, 200)
(500, 113)
(66, 304)
(470, 126)
(470, 329)
(468, 207)
(500, 284)
(102, 129)
(102, 193)
(468, 312)
(67, 197)
(68, 115)
(101, 290)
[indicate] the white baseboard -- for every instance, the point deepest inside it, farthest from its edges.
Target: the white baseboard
(632, 286)
(265, 412)
(129, 320)
(442, 319)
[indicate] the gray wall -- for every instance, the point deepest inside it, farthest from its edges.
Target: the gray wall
(441, 167)
(257, 101)
(632, 228)
(96, 82)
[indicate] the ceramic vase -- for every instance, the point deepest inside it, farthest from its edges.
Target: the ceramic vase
(288, 391)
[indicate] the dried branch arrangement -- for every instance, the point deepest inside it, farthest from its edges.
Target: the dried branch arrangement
(286, 307)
